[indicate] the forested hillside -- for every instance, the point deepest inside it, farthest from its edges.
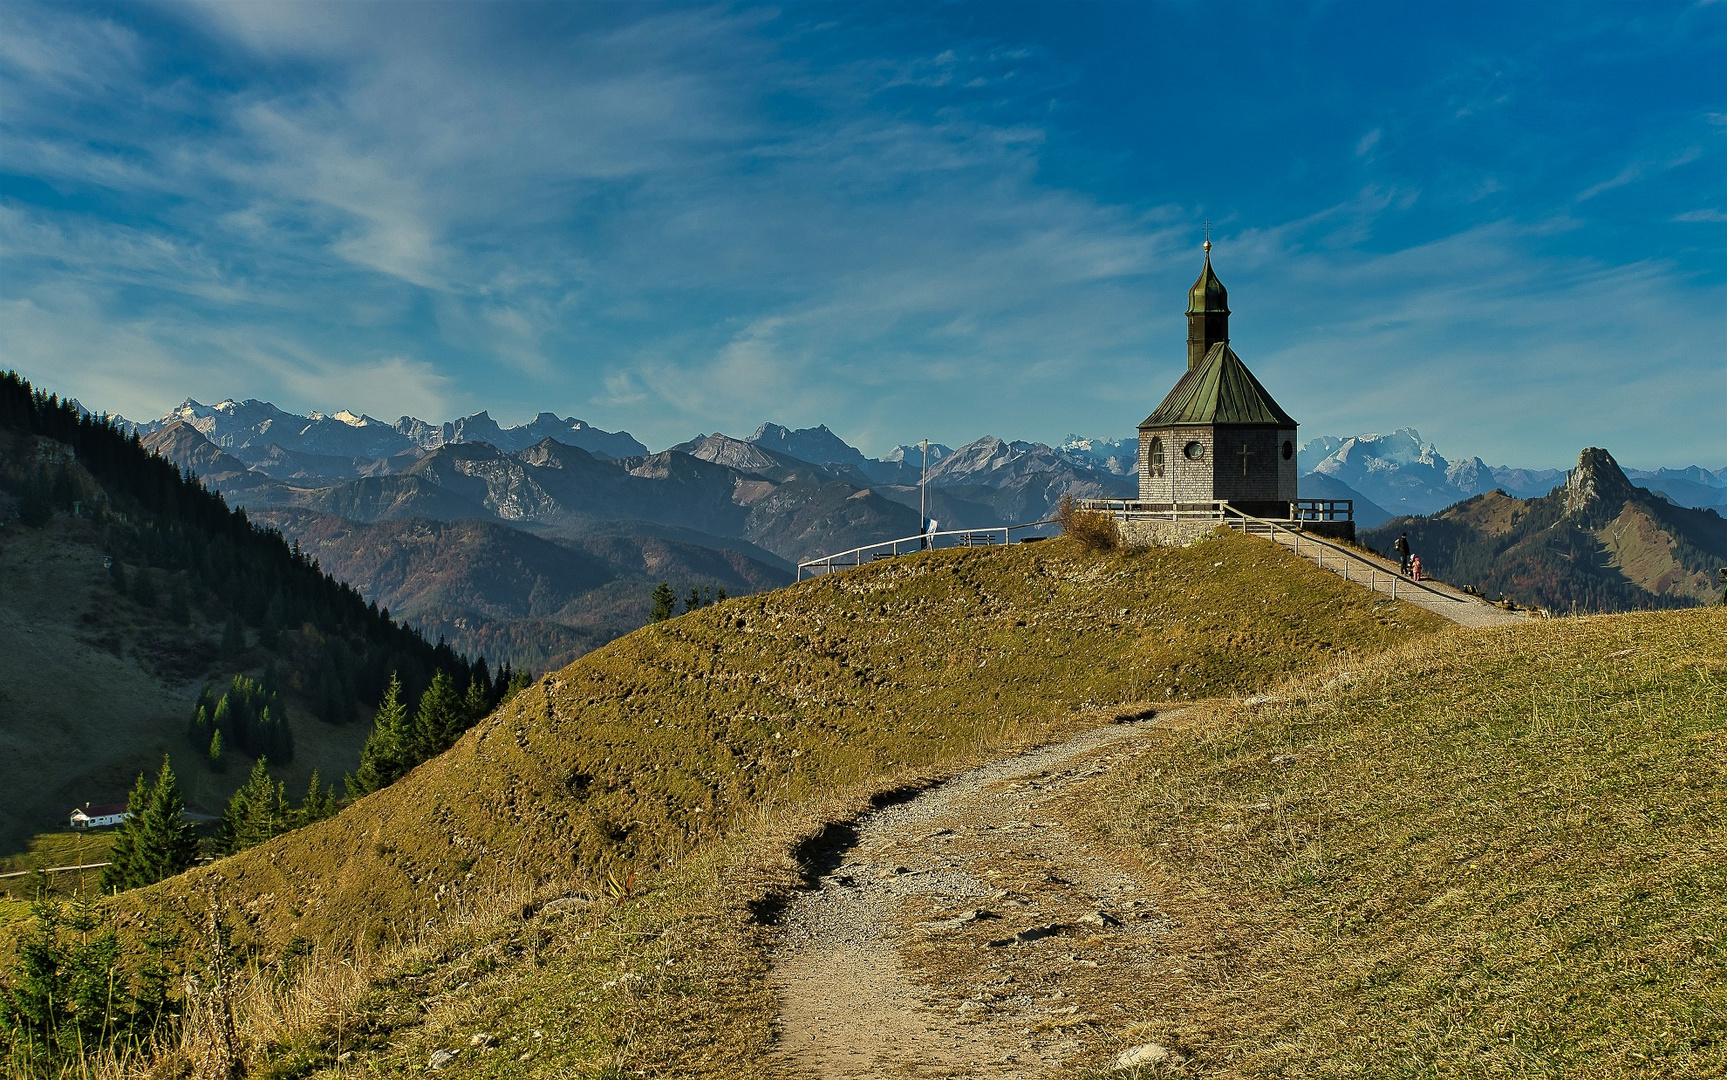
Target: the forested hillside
(126, 587)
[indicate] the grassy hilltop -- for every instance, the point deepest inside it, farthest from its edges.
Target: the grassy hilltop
(1459, 853)
(665, 739)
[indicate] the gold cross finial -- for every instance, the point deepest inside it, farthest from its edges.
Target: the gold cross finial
(1208, 236)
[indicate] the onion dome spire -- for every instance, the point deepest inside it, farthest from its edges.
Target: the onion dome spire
(1207, 313)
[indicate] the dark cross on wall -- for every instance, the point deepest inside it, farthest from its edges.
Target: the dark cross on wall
(1244, 456)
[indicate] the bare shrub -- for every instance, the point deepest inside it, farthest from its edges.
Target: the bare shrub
(1093, 529)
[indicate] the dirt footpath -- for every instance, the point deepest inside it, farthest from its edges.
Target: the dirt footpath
(965, 933)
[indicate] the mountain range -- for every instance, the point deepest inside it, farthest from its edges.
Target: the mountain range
(537, 542)
(1401, 474)
(713, 512)
(252, 429)
(1597, 542)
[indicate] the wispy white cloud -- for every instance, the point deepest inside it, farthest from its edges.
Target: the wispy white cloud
(1637, 170)
(693, 218)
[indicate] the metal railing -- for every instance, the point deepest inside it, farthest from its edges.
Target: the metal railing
(1300, 510)
(1342, 556)
(909, 545)
(1322, 510)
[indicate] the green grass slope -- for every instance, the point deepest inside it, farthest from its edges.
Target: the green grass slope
(665, 739)
(1479, 855)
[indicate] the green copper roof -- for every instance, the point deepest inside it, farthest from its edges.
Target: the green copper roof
(1219, 391)
(1208, 293)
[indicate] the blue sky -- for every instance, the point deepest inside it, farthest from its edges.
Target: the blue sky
(1503, 224)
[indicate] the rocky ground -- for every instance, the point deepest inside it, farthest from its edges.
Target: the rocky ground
(965, 933)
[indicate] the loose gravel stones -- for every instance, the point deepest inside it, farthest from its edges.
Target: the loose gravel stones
(866, 965)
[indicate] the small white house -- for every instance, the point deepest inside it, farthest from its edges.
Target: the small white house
(95, 817)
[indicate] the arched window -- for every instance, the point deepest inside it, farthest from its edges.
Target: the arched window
(1154, 458)
(1288, 449)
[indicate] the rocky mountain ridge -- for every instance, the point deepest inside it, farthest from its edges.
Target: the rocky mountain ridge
(241, 425)
(1596, 543)
(1398, 472)
(1405, 474)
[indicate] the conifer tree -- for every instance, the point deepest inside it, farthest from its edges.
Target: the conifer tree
(440, 720)
(722, 593)
(167, 843)
(198, 731)
(385, 756)
(29, 999)
(665, 603)
(72, 990)
(156, 841)
(694, 600)
(319, 804)
(258, 811)
(122, 866)
(476, 703)
(216, 750)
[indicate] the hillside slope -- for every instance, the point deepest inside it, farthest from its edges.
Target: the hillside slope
(1475, 850)
(95, 688)
(1478, 855)
(661, 740)
(123, 589)
(1597, 543)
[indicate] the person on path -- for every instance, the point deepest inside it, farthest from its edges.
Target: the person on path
(1415, 567)
(1401, 546)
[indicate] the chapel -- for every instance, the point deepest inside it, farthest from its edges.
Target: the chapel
(1218, 436)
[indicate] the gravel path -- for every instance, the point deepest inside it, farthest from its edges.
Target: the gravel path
(1377, 573)
(965, 934)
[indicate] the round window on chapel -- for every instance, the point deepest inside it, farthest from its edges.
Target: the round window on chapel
(1288, 449)
(1194, 450)
(1154, 458)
